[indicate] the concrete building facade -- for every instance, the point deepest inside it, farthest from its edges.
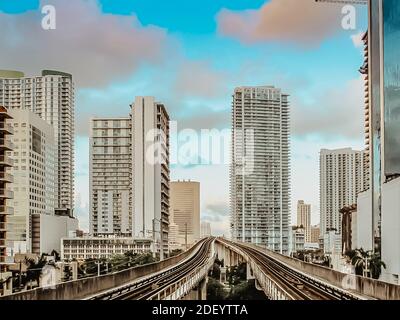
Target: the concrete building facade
(110, 176)
(150, 171)
(304, 218)
(51, 97)
(341, 180)
(315, 232)
(81, 248)
(6, 193)
(34, 171)
(129, 174)
(185, 210)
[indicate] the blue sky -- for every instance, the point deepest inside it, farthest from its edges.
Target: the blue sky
(191, 55)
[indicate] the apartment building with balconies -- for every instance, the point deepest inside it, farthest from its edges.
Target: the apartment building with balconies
(34, 170)
(51, 97)
(6, 179)
(260, 169)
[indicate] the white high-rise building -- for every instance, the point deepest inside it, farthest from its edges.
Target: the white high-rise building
(129, 174)
(304, 218)
(51, 97)
(110, 176)
(260, 170)
(34, 171)
(150, 172)
(341, 180)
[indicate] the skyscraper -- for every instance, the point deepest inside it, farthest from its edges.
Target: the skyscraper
(260, 174)
(185, 209)
(51, 97)
(110, 176)
(341, 180)
(150, 171)
(382, 79)
(304, 218)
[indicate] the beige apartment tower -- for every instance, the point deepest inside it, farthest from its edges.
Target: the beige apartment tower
(185, 210)
(304, 218)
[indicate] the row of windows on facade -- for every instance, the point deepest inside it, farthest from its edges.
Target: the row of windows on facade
(113, 123)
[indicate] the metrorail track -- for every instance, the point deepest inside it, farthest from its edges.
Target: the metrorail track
(145, 289)
(299, 286)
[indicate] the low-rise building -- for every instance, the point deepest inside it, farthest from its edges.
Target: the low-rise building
(332, 242)
(315, 232)
(297, 239)
(95, 247)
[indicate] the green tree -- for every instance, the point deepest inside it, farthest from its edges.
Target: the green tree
(215, 272)
(359, 259)
(56, 255)
(375, 265)
(215, 290)
(34, 269)
(245, 290)
(366, 260)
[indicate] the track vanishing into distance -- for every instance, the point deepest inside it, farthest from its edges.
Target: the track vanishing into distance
(298, 285)
(146, 288)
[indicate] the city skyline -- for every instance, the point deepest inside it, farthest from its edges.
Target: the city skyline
(206, 103)
(200, 151)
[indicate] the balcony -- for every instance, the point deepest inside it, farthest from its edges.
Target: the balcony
(6, 128)
(6, 210)
(3, 243)
(6, 260)
(6, 145)
(6, 194)
(6, 177)
(3, 226)
(6, 162)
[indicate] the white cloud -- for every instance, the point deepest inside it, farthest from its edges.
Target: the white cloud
(357, 39)
(96, 48)
(279, 20)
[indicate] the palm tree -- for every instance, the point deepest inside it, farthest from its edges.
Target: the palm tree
(34, 270)
(375, 265)
(56, 255)
(359, 260)
(366, 261)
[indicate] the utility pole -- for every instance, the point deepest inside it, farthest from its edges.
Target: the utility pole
(186, 236)
(20, 274)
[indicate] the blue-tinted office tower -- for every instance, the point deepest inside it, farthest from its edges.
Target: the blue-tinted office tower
(383, 118)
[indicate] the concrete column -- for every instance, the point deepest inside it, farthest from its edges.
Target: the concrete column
(202, 289)
(249, 272)
(74, 267)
